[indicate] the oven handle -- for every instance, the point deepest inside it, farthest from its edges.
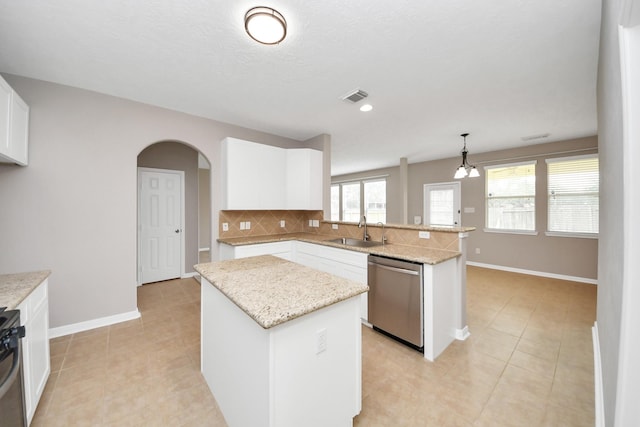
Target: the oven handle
(7, 382)
(396, 269)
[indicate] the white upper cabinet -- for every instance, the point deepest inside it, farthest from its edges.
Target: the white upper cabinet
(304, 179)
(14, 126)
(262, 177)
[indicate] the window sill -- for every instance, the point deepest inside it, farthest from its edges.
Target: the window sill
(521, 232)
(575, 235)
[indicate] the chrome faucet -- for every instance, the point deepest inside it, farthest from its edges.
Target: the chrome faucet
(363, 223)
(384, 239)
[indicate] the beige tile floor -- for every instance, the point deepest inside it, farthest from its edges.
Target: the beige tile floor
(528, 362)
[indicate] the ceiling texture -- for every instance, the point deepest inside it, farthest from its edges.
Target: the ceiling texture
(498, 69)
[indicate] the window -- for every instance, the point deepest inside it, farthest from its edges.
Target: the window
(351, 200)
(573, 194)
(511, 191)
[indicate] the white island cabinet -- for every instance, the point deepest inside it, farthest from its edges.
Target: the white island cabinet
(281, 343)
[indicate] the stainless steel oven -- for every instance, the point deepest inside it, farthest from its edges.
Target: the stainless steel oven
(396, 299)
(12, 407)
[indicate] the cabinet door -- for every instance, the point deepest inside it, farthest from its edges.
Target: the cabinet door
(5, 117)
(253, 175)
(304, 179)
(39, 361)
(19, 134)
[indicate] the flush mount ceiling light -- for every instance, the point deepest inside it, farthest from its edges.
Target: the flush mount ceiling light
(466, 168)
(366, 107)
(265, 25)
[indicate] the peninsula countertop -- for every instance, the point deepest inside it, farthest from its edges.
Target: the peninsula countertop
(419, 254)
(14, 288)
(273, 291)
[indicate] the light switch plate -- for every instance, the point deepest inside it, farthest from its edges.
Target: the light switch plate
(247, 225)
(282, 223)
(316, 223)
(334, 226)
(225, 226)
(243, 225)
(417, 219)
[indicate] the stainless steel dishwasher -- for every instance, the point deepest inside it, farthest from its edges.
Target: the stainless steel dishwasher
(396, 299)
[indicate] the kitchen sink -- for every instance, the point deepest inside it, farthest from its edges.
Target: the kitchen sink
(356, 242)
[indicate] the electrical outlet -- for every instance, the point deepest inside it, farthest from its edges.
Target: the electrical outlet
(282, 223)
(424, 234)
(417, 219)
(243, 225)
(334, 226)
(247, 225)
(321, 341)
(316, 223)
(477, 250)
(310, 223)
(225, 226)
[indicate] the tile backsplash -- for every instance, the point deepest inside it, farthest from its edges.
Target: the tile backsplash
(264, 223)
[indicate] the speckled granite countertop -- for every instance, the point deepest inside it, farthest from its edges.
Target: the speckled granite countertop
(273, 291)
(14, 288)
(410, 253)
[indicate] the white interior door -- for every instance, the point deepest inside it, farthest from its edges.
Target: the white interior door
(160, 224)
(442, 204)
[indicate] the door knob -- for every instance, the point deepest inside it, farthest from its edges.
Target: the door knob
(177, 230)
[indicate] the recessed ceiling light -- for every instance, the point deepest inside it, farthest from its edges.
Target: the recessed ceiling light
(366, 107)
(265, 25)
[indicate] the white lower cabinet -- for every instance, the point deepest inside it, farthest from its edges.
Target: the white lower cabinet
(343, 263)
(34, 316)
(279, 249)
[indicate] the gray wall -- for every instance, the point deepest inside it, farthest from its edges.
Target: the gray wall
(576, 257)
(73, 209)
(610, 263)
(179, 157)
(567, 256)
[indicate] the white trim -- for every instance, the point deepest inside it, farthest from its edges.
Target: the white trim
(501, 231)
(510, 165)
(597, 374)
(534, 273)
(92, 324)
(462, 334)
(204, 249)
(188, 275)
(568, 234)
(570, 158)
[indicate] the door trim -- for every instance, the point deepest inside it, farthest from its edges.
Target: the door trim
(182, 223)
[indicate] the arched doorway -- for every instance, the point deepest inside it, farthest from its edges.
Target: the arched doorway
(167, 159)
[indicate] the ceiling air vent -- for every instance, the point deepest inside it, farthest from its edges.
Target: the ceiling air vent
(355, 96)
(535, 137)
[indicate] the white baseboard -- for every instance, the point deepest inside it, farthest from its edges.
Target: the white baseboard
(187, 275)
(597, 373)
(534, 273)
(92, 324)
(462, 334)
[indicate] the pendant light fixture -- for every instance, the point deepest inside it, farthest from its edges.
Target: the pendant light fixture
(466, 168)
(265, 25)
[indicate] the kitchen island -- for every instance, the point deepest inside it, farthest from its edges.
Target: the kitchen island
(281, 343)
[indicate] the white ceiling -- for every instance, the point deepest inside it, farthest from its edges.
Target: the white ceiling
(498, 69)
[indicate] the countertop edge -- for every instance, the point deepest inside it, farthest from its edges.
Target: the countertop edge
(444, 254)
(287, 315)
(15, 288)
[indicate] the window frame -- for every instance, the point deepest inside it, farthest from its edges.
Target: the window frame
(361, 182)
(488, 229)
(553, 233)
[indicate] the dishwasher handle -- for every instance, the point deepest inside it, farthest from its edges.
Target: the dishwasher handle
(396, 269)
